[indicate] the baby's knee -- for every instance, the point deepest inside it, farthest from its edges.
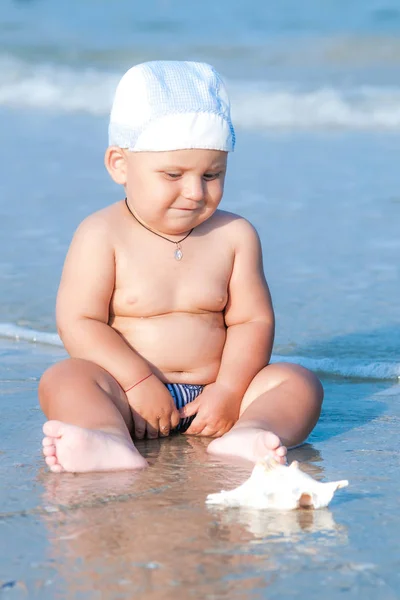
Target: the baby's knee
(56, 377)
(50, 381)
(300, 380)
(306, 382)
(74, 375)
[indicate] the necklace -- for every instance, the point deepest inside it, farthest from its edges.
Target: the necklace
(178, 254)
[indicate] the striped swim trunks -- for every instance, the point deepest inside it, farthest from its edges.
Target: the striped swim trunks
(182, 394)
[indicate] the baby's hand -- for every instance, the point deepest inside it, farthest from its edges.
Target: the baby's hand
(217, 410)
(153, 409)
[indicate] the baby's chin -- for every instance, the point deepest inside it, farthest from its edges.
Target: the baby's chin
(181, 218)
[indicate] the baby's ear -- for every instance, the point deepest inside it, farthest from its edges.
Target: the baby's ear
(115, 162)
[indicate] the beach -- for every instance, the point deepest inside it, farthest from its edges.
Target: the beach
(150, 534)
(315, 104)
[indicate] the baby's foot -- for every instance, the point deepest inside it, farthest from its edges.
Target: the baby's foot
(78, 450)
(249, 443)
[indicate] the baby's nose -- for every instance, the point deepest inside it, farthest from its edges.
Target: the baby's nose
(194, 189)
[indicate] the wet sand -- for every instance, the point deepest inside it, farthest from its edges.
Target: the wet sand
(150, 534)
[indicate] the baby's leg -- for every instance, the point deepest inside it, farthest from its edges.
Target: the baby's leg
(279, 409)
(90, 420)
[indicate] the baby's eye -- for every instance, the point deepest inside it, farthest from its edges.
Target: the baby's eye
(172, 175)
(211, 176)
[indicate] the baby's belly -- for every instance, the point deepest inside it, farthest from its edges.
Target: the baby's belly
(182, 347)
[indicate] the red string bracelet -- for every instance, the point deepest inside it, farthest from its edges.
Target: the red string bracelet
(137, 383)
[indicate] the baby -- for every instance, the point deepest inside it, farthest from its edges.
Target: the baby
(163, 304)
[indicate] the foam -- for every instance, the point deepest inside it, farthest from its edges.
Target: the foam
(256, 105)
(345, 368)
(14, 332)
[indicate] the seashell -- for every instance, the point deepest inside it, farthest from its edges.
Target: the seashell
(280, 487)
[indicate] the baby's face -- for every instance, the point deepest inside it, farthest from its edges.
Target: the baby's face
(175, 191)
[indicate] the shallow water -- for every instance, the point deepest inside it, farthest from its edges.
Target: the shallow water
(119, 535)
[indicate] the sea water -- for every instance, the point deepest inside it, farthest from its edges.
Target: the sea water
(315, 101)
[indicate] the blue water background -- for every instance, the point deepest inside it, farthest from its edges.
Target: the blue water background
(315, 97)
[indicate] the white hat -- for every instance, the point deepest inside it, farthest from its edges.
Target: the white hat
(171, 105)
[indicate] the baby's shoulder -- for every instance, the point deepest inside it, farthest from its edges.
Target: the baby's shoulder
(101, 224)
(233, 226)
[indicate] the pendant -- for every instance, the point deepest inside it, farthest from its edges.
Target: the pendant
(178, 253)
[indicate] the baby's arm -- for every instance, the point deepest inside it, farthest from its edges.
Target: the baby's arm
(249, 315)
(83, 301)
(249, 318)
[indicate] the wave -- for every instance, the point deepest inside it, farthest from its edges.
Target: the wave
(24, 334)
(344, 368)
(275, 107)
(256, 105)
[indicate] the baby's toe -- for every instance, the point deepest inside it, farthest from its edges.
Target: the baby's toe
(271, 440)
(49, 450)
(279, 455)
(51, 460)
(48, 441)
(56, 468)
(53, 429)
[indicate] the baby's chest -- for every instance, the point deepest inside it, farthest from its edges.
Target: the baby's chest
(151, 285)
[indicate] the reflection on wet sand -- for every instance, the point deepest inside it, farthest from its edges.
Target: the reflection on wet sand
(276, 525)
(116, 535)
